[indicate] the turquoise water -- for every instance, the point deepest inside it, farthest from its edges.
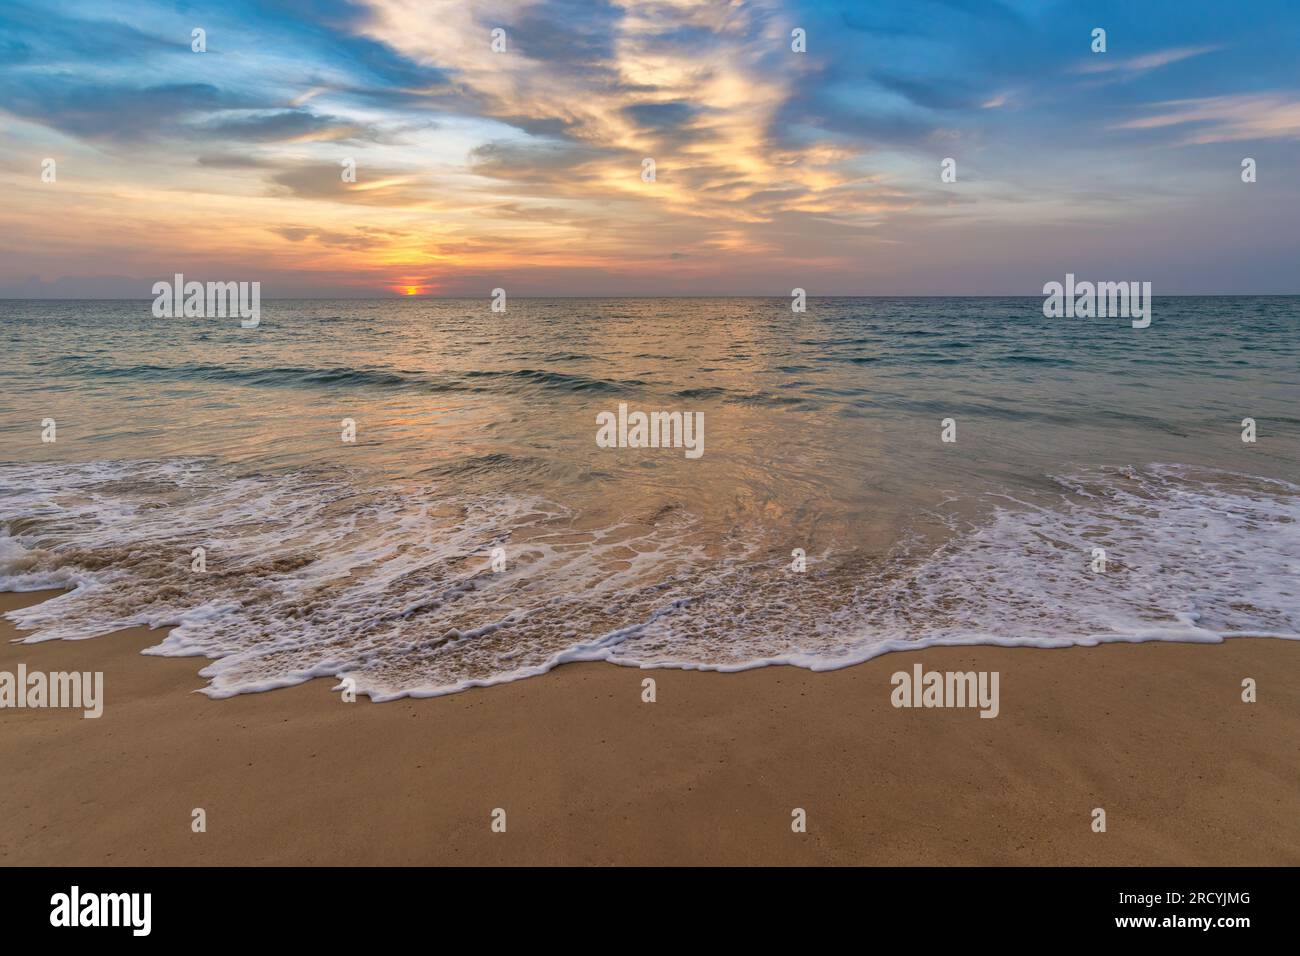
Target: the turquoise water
(476, 431)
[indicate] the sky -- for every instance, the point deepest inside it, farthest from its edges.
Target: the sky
(523, 169)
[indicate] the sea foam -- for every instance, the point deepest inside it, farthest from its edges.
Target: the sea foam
(315, 573)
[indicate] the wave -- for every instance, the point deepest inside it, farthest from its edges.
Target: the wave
(293, 376)
(313, 573)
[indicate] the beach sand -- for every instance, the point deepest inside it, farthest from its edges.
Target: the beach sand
(1156, 734)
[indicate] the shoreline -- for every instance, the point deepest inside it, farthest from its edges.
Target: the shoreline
(12, 600)
(1155, 733)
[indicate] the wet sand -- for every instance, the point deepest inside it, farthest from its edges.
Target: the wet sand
(1156, 734)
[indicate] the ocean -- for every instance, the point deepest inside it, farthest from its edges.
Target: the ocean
(1098, 487)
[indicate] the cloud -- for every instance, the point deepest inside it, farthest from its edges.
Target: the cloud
(234, 161)
(1220, 119)
(374, 187)
(661, 117)
(358, 239)
(1107, 63)
(97, 113)
(284, 126)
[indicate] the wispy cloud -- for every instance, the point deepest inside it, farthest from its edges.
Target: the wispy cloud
(1108, 63)
(1221, 119)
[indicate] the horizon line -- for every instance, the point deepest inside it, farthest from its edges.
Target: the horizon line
(720, 295)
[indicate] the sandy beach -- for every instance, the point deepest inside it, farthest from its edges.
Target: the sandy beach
(1156, 734)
